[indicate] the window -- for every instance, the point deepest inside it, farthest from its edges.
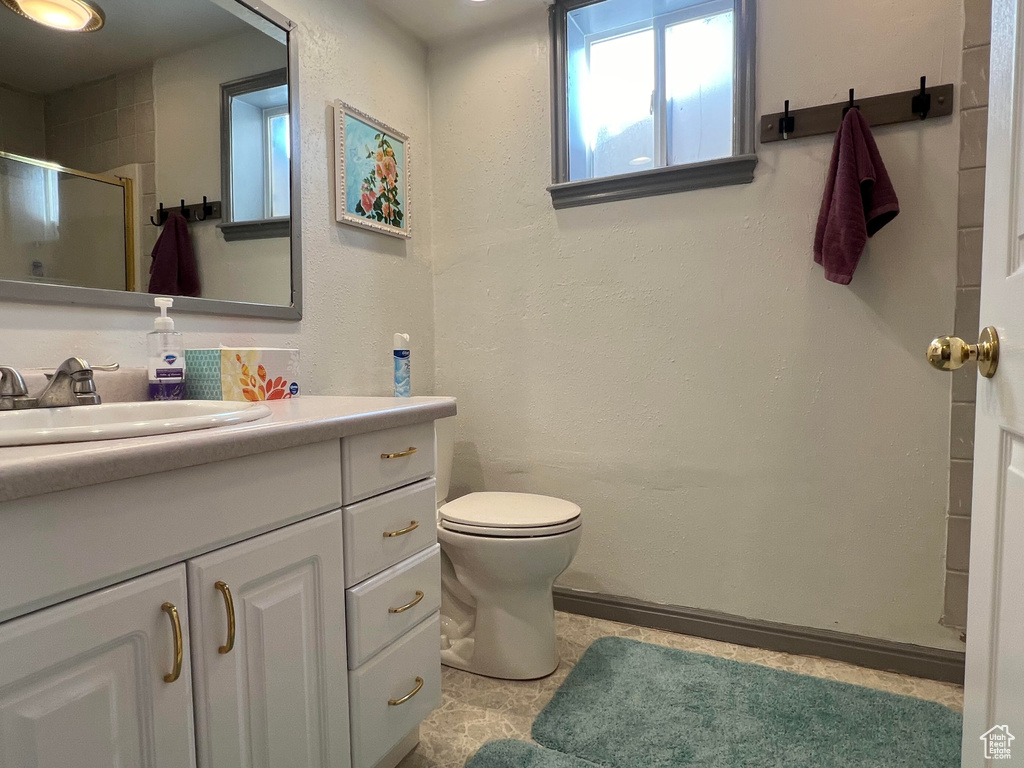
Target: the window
(650, 97)
(277, 163)
(255, 139)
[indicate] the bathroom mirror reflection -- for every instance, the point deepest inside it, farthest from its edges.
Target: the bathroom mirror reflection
(120, 116)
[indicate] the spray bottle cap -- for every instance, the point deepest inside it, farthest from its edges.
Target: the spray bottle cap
(401, 341)
(163, 323)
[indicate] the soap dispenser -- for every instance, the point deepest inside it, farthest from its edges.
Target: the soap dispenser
(166, 351)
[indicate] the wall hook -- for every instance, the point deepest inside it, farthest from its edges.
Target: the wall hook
(161, 217)
(186, 212)
(787, 123)
(207, 210)
(851, 105)
(922, 103)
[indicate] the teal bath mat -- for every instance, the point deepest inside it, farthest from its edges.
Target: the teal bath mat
(628, 704)
(519, 754)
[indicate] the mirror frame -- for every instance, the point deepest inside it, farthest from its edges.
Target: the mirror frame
(43, 293)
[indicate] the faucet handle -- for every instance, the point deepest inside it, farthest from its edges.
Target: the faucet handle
(11, 383)
(13, 392)
(107, 367)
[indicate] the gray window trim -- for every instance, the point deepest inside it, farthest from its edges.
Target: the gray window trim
(738, 169)
(255, 230)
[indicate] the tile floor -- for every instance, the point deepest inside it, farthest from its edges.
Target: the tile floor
(478, 709)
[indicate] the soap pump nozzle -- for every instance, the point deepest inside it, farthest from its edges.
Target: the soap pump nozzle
(163, 323)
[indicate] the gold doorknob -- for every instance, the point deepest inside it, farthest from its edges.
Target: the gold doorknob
(947, 353)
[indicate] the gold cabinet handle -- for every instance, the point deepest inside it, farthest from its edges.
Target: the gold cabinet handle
(948, 353)
(179, 649)
(407, 606)
(409, 695)
(411, 527)
(229, 606)
(399, 455)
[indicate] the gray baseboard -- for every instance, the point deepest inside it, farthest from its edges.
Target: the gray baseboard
(916, 660)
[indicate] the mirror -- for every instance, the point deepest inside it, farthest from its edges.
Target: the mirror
(169, 120)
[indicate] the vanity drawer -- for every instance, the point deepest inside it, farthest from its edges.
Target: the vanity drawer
(376, 609)
(384, 530)
(379, 461)
(378, 725)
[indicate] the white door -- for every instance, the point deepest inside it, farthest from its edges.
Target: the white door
(994, 694)
(83, 683)
(276, 694)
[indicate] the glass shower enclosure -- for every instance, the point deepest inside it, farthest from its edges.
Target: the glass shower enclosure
(65, 227)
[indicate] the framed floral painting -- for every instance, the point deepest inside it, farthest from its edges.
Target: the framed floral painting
(371, 173)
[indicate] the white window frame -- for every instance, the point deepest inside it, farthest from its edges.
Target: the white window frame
(268, 158)
(662, 179)
(659, 98)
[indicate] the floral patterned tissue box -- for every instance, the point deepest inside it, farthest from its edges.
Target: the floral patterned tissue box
(241, 374)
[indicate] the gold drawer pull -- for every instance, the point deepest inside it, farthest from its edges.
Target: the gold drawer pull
(408, 452)
(412, 527)
(229, 606)
(179, 650)
(409, 695)
(407, 606)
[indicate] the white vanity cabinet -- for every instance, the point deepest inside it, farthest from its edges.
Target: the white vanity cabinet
(197, 617)
(94, 681)
(268, 629)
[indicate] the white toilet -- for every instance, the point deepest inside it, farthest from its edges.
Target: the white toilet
(500, 556)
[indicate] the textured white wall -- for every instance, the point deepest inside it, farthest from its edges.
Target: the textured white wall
(359, 287)
(741, 434)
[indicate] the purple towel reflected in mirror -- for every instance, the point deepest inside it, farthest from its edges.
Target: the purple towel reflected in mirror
(174, 271)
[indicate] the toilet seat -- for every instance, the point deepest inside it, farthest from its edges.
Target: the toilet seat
(509, 515)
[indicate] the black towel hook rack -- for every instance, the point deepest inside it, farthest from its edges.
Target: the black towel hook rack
(923, 102)
(208, 209)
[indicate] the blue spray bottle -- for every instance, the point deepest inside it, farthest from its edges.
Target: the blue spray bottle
(403, 383)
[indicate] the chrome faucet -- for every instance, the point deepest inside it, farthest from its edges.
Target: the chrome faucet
(72, 384)
(13, 392)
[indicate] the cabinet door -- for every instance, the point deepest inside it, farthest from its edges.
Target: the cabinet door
(278, 696)
(82, 683)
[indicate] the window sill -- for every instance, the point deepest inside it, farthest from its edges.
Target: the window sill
(659, 181)
(255, 230)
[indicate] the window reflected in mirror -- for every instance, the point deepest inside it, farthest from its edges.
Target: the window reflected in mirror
(255, 139)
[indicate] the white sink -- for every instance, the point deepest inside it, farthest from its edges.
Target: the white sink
(38, 426)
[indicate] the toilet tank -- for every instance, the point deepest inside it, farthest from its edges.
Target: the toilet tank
(444, 438)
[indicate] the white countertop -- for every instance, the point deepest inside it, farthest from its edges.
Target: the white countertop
(38, 469)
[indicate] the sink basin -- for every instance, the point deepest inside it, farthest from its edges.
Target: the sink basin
(39, 426)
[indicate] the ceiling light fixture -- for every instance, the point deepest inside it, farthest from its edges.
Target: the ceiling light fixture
(65, 15)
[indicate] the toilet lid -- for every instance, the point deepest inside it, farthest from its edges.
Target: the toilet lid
(509, 510)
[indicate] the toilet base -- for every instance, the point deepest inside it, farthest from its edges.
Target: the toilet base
(497, 613)
(460, 656)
